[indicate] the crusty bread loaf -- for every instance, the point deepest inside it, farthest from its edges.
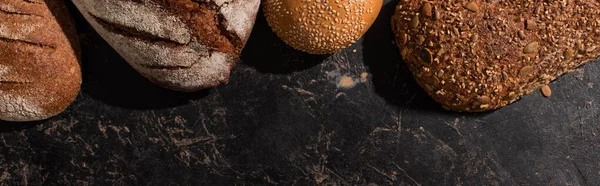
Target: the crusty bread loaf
(481, 55)
(183, 45)
(39, 67)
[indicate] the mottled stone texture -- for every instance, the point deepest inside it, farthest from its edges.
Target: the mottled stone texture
(285, 118)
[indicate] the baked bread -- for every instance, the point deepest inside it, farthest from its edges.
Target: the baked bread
(321, 27)
(184, 45)
(482, 55)
(39, 67)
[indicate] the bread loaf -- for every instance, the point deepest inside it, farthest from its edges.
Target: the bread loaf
(321, 27)
(184, 45)
(39, 67)
(481, 55)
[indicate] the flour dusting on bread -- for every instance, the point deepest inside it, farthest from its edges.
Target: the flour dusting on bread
(240, 16)
(165, 46)
(39, 68)
(143, 17)
(16, 108)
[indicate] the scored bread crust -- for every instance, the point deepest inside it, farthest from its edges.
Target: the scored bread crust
(481, 55)
(182, 45)
(39, 67)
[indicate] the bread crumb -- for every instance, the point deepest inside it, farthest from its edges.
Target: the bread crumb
(579, 73)
(340, 94)
(354, 51)
(346, 82)
(364, 76)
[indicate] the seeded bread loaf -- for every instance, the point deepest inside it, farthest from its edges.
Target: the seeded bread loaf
(184, 45)
(39, 67)
(321, 27)
(481, 55)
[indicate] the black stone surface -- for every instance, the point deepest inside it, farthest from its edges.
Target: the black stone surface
(283, 119)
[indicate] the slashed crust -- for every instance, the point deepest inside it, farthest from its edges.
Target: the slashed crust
(39, 68)
(183, 45)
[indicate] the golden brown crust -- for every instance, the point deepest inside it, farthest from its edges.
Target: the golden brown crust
(206, 23)
(321, 27)
(482, 55)
(39, 67)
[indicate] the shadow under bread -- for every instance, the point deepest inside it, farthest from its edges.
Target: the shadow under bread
(269, 54)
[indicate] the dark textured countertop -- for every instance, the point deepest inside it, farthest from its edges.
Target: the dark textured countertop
(355, 117)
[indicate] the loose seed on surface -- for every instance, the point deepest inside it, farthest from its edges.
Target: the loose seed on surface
(546, 91)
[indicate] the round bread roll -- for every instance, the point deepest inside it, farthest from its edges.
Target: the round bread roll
(321, 26)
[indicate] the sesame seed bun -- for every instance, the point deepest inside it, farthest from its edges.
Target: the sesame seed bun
(321, 26)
